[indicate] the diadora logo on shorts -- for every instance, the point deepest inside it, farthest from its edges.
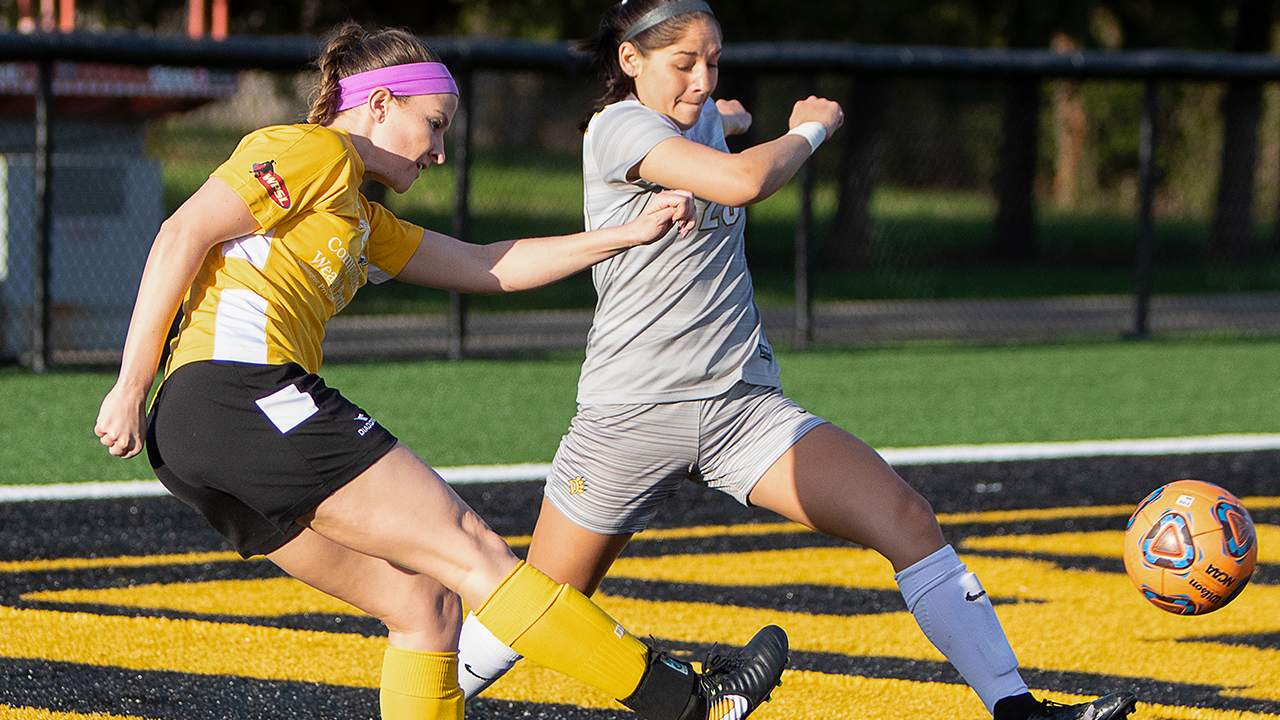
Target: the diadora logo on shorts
(577, 485)
(271, 180)
(368, 423)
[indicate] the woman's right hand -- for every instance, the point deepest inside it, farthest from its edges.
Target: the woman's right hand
(214, 214)
(121, 425)
(816, 109)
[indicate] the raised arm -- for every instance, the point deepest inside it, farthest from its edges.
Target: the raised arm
(738, 179)
(210, 216)
(511, 265)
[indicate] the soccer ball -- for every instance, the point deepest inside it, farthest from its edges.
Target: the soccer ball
(1190, 547)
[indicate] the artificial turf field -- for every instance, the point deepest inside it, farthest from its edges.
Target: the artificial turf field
(133, 608)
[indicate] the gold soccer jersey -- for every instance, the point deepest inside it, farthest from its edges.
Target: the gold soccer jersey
(265, 298)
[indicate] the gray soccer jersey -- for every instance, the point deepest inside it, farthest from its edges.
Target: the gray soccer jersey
(676, 319)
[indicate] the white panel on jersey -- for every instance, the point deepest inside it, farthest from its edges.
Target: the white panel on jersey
(240, 329)
(377, 275)
(287, 407)
(253, 248)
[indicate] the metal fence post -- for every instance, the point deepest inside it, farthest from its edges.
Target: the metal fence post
(804, 233)
(1146, 193)
(42, 167)
(461, 205)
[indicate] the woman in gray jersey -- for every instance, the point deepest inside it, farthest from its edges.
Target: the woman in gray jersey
(679, 382)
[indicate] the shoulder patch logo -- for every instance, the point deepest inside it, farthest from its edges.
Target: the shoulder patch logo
(577, 485)
(271, 180)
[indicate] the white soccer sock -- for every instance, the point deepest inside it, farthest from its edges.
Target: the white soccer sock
(956, 615)
(482, 658)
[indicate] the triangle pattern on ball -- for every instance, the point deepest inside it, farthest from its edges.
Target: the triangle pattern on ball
(1168, 542)
(1240, 526)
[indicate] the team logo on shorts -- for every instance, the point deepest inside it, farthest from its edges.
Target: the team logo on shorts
(271, 180)
(577, 485)
(368, 423)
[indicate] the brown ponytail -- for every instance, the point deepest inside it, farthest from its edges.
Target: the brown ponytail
(350, 48)
(603, 48)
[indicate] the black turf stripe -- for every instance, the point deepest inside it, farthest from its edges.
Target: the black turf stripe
(317, 622)
(14, 585)
(797, 598)
(67, 687)
(1263, 641)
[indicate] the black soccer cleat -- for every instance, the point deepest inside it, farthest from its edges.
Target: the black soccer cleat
(1115, 706)
(730, 687)
(734, 685)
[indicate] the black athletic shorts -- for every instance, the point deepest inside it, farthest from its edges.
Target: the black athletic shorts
(253, 448)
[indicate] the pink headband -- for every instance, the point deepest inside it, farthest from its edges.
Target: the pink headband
(424, 78)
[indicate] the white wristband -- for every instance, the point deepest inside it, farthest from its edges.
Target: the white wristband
(813, 131)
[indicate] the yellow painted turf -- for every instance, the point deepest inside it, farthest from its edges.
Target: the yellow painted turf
(252, 598)
(8, 712)
(191, 646)
(1068, 620)
(1141, 641)
(125, 561)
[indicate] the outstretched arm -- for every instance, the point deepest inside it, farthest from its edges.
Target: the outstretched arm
(738, 179)
(213, 214)
(512, 265)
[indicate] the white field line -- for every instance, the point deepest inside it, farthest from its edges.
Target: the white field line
(895, 456)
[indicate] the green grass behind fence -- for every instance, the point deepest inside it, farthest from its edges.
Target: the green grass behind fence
(510, 411)
(927, 243)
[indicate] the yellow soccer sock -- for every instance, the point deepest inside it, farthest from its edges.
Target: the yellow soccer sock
(420, 686)
(559, 628)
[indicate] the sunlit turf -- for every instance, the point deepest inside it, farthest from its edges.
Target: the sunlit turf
(511, 411)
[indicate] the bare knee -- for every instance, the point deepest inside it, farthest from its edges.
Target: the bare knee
(489, 546)
(426, 618)
(490, 563)
(916, 528)
(915, 510)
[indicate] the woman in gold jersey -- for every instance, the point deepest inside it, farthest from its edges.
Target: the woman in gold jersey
(245, 432)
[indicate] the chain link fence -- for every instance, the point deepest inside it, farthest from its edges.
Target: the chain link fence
(970, 196)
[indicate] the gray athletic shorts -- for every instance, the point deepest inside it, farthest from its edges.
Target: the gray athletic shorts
(619, 463)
